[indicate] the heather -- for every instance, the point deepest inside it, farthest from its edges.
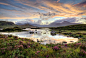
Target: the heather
(14, 47)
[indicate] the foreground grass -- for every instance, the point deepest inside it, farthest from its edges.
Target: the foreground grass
(14, 47)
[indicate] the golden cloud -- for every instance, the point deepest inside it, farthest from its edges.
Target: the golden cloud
(3, 3)
(60, 9)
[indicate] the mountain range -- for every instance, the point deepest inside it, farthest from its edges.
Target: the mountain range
(26, 24)
(57, 23)
(53, 24)
(7, 24)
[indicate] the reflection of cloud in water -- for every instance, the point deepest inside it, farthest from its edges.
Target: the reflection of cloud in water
(32, 35)
(45, 36)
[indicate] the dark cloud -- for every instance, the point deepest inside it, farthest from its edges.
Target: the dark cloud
(46, 16)
(82, 4)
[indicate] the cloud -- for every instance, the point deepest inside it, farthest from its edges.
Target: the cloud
(31, 9)
(46, 16)
(58, 0)
(3, 3)
(82, 4)
(64, 8)
(30, 20)
(72, 19)
(11, 3)
(60, 9)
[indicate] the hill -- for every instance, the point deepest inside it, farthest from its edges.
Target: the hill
(64, 23)
(73, 27)
(25, 26)
(5, 24)
(56, 24)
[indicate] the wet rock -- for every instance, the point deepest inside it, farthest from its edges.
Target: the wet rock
(53, 33)
(71, 41)
(31, 32)
(37, 40)
(64, 42)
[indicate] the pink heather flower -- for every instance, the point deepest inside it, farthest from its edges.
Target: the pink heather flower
(9, 48)
(2, 48)
(65, 44)
(47, 46)
(20, 46)
(54, 57)
(15, 46)
(8, 44)
(28, 43)
(21, 51)
(78, 43)
(16, 57)
(20, 42)
(62, 46)
(29, 40)
(38, 51)
(47, 56)
(28, 46)
(35, 53)
(83, 51)
(5, 37)
(2, 52)
(55, 47)
(58, 45)
(23, 39)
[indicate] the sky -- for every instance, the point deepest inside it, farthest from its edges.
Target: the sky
(42, 12)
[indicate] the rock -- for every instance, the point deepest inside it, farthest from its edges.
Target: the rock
(64, 42)
(71, 41)
(37, 40)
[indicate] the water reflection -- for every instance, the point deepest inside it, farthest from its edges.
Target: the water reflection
(43, 35)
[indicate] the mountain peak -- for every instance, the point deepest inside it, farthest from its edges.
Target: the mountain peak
(65, 22)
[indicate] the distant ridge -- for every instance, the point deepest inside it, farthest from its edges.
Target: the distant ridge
(2, 23)
(54, 24)
(6, 24)
(73, 27)
(65, 22)
(26, 25)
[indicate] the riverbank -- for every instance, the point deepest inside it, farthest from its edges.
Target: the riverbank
(14, 47)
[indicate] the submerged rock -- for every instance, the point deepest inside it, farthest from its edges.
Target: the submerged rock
(71, 41)
(64, 42)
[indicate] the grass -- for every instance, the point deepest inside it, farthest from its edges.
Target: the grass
(81, 34)
(14, 47)
(75, 50)
(14, 29)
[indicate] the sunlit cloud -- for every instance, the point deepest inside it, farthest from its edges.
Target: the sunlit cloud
(41, 9)
(58, 0)
(3, 3)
